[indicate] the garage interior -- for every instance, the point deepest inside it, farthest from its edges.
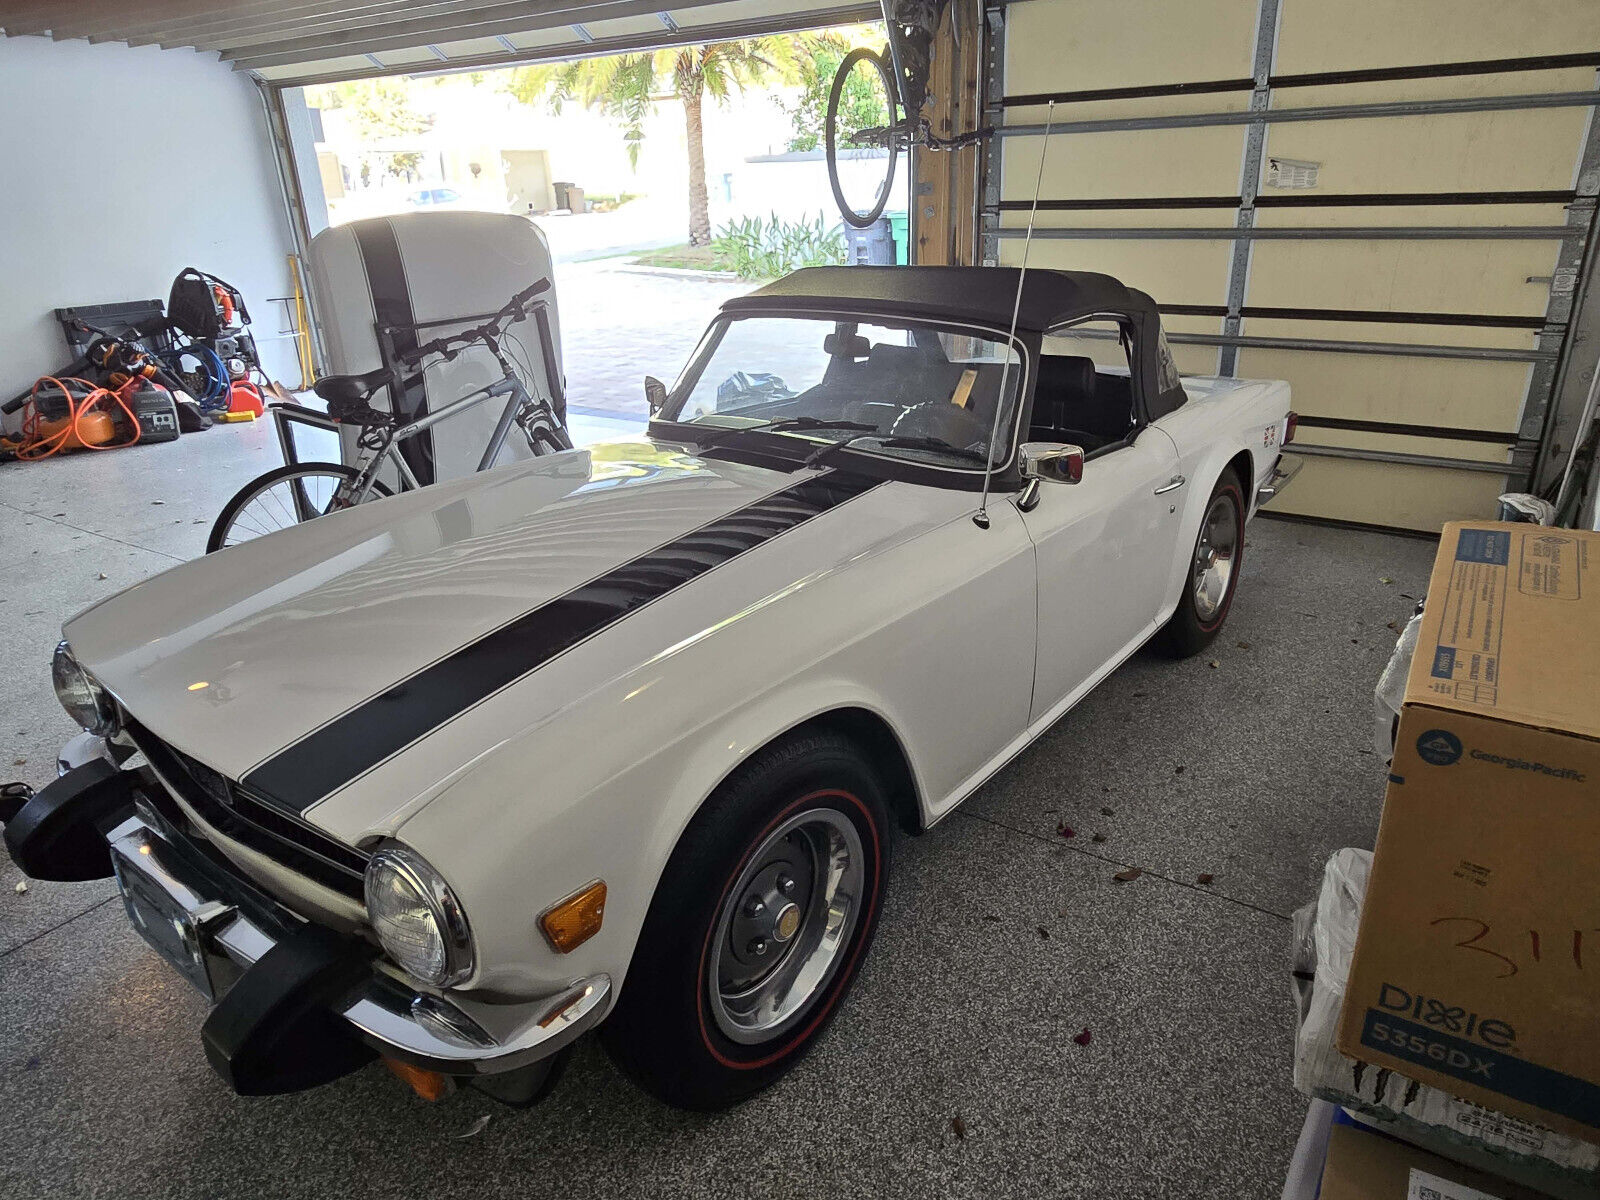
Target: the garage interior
(1392, 208)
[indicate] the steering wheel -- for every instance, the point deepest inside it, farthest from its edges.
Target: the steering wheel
(943, 420)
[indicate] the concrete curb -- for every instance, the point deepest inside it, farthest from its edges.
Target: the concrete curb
(684, 273)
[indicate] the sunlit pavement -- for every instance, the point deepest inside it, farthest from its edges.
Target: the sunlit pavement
(617, 326)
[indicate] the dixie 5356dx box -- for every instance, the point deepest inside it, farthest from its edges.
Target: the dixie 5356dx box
(1477, 967)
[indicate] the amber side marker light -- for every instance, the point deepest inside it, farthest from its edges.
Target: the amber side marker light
(430, 1085)
(570, 923)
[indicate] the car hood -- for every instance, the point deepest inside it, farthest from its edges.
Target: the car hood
(236, 655)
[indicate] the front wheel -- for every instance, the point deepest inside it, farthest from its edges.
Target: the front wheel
(757, 928)
(284, 497)
(1213, 574)
(864, 89)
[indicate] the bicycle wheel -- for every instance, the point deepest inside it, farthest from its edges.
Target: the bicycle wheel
(863, 98)
(281, 498)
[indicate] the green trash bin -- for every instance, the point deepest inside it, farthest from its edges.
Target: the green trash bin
(900, 226)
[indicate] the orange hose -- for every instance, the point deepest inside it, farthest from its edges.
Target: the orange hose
(37, 447)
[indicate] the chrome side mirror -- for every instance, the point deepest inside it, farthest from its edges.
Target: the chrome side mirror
(1052, 462)
(655, 393)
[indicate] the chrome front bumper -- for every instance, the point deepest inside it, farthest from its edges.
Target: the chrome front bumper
(213, 943)
(1283, 472)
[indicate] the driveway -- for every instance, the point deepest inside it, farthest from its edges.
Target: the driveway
(619, 324)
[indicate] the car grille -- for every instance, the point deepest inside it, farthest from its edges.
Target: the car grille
(233, 812)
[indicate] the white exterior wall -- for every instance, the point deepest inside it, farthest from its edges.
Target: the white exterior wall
(122, 167)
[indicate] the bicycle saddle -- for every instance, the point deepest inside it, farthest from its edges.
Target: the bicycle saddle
(346, 389)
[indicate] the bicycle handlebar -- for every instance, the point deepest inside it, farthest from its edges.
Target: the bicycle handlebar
(450, 345)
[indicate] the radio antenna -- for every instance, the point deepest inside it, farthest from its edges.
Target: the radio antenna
(981, 517)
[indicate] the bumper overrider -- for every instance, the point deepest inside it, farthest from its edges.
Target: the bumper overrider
(295, 1004)
(1284, 470)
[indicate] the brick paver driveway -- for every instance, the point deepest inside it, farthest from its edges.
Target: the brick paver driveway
(617, 326)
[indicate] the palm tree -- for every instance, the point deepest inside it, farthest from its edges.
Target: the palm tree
(626, 86)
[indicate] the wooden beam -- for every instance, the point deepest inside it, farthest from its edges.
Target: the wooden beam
(945, 182)
(932, 174)
(969, 116)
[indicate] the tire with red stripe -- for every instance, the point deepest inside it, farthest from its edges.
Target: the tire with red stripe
(1213, 573)
(758, 926)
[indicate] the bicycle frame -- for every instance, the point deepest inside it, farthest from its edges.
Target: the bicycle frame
(508, 385)
(373, 457)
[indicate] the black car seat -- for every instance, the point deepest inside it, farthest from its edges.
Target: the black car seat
(1073, 403)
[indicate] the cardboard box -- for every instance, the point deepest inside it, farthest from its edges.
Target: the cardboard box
(1387, 1099)
(1362, 1165)
(1477, 966)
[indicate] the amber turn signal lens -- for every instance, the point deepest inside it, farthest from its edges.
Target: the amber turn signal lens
(430, 1085)
(576, 919)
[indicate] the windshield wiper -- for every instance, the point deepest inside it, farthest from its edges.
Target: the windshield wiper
(780, 425)
(938, 445)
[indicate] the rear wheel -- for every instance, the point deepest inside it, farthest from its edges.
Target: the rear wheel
(284, 497)
(1213, 577)
(757, 928)
(863, 99)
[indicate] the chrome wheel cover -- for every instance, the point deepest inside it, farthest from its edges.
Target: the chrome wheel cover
(784, 927)
(1216, 556)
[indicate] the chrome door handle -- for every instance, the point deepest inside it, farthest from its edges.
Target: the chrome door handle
(1171, 485)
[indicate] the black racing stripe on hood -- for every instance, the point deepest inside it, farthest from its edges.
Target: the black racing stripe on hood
(352, 744)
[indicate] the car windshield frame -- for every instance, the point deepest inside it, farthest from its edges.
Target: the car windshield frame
(807, 441)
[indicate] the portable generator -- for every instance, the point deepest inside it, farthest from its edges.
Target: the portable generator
(156, 412)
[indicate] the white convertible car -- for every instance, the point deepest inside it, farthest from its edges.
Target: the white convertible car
(614, 738)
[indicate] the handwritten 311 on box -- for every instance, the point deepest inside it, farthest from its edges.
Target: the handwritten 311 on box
(1477, 967)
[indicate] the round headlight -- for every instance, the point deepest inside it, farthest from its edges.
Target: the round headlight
(85, 700)
(417, 918)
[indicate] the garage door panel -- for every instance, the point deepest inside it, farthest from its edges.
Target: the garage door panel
(331, 67)
(538, 39)
(1391, 494)
(1124, 43)
(1192, 360)
(1443, 152)
(407, 58)
(1549, 216)
(1440, 87)
(1317, 36)
(1492, 455)
(1408, 391)
(1373, 331)
(1118, 216)
(1475, 158)
(1402, 276)
(1195, 360)
(1172, 272)
(1162, 162)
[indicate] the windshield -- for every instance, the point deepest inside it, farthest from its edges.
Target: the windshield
(911, 390)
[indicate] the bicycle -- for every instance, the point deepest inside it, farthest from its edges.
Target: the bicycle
(895, 78)
(298, 492)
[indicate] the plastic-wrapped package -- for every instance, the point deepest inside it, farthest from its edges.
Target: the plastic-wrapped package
(1520, 506)
(1391, 690)
(1324, 941)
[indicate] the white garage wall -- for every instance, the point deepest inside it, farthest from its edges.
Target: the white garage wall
(122, 166)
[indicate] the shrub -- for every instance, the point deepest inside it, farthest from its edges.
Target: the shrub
(754, 248)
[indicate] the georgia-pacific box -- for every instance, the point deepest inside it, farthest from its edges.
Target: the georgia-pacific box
(1477, 966)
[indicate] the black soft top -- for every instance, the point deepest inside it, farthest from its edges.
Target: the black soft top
(975, 294)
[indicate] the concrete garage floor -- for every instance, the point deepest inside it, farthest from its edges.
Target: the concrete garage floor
(1000, 941)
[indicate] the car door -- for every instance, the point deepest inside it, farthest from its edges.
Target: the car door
(1104, 550)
